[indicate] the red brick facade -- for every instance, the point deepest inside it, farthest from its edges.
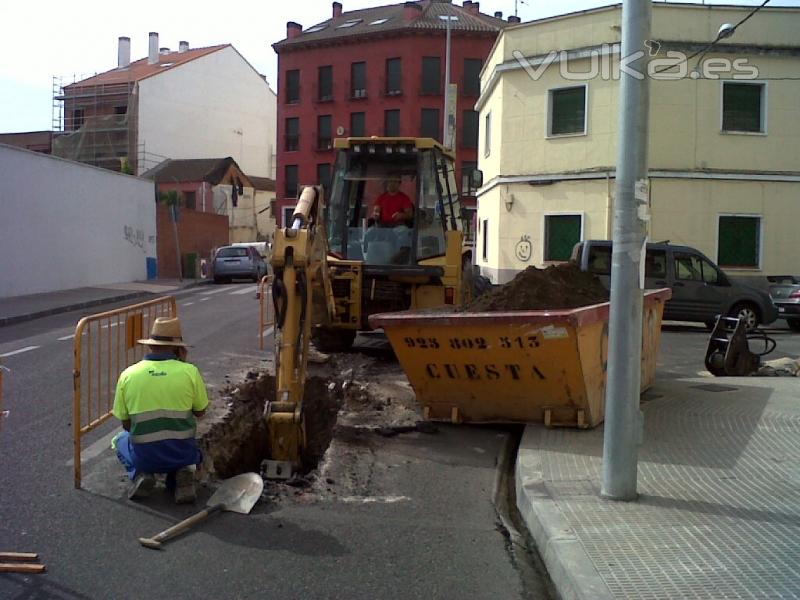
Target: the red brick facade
(305, 155)
(199, 233)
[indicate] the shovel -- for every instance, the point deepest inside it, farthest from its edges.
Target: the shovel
(237, 494)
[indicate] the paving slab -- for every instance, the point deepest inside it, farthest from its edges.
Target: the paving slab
(718, 513)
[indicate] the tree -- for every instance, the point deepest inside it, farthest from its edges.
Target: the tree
(172, 198)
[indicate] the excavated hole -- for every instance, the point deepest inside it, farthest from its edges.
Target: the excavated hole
(238, 443)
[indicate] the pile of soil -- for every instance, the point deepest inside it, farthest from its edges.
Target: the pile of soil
(557, 287)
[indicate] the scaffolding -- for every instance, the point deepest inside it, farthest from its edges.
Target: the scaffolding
(95, 122)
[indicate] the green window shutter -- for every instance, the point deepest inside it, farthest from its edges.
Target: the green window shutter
(738, 241)
(568, 111)
(741, 107)
(562, 232)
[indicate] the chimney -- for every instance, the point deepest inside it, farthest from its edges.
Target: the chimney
(411, 11)
(163, 50)
(293, 30)
(183, 46)
(514, 19)
(467, 4)
(152, 55)
(498, 14)
(474, 8)
(337, 9)
(124, 52)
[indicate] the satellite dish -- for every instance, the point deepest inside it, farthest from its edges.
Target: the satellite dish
(340, 130)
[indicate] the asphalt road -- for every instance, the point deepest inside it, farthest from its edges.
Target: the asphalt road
(425, 527)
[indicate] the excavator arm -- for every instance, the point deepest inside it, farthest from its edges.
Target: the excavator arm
(299, 264)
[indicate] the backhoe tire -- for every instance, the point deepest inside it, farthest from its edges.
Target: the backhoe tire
(473, 283)
(332, 340)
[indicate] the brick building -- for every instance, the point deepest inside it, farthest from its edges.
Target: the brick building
(377, 71)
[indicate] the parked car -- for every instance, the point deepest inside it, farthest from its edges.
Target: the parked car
(785, 293)
(238, 262)
(700, 289)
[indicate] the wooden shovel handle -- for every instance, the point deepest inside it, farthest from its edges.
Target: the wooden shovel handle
(179, 528)
(23, 556)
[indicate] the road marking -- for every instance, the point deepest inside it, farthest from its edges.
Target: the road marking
(187, 303)
(212, 292)
(249, 289)
(374, 499)
(204, 299)
(112, 325)
(20, 351)
(66, 337)
(94, 450)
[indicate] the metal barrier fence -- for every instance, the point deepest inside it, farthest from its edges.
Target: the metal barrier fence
(105, 345)
(266, 310)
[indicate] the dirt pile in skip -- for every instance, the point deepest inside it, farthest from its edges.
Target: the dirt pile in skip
(556, 287)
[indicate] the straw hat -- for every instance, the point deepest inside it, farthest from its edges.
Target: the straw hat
(166, 331)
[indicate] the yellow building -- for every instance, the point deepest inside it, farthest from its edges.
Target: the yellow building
(724, 150)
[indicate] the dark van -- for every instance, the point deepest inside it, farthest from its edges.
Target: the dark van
(700, 289)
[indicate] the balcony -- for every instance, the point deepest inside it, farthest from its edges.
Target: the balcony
(322, 143)
(324, 94)
(291, 142)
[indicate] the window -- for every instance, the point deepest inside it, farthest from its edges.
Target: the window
(315, 28)
(292, 134)
(288, 212)
(467, 167)
(77, 118)
(378, 22)
(468, 216)
(324, 176)
(567, 111)
(743, 107)
(430, 123)
(472, 76)
(431, 75)
(690, 267)
(561, 233)
(358, 80)
(325, 84)
(487, 134)
(391, 123)
(655, 264)
(324, 136)
(485, 237)
(121, 110)
(394, 84)
(358, 124)
(739, 241)
(290, 181)
(293, 86)
(470, 132)
(190, 200)
(349, 23)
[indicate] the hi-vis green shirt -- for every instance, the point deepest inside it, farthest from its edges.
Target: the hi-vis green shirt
(158, 396)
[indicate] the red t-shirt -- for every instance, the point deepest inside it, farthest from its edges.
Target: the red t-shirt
(390, 204)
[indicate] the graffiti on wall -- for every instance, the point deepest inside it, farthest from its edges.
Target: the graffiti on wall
(524, 249)
(134, 237)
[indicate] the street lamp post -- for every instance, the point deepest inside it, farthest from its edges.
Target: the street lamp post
(445, 121)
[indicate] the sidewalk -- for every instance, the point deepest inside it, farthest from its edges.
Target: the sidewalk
(16, 309)
(718, 515)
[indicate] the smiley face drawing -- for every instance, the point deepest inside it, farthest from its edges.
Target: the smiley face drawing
(524, 249)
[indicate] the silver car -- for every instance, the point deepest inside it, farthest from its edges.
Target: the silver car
(785, 292)
(238, 262)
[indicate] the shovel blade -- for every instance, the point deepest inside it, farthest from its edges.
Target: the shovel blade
(238, 494)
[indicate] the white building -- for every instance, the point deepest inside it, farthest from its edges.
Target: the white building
(190, 103)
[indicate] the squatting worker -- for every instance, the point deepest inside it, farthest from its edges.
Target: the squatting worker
(157, 400)
(393, 207)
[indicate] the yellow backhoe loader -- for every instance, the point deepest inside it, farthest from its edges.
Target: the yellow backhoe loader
(335, 264)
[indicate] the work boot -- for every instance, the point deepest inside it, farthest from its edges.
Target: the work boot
(184, 485)
(141, 486)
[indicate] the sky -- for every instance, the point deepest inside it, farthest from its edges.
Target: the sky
(41, 39)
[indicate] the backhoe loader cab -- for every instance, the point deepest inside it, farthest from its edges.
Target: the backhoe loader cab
(382, 265)
(364, 169)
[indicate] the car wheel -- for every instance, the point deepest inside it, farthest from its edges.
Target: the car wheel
(794, 324)
(217, 280)
(747, 313)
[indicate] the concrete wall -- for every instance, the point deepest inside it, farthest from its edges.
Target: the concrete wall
(216, 105)
(67, 225)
